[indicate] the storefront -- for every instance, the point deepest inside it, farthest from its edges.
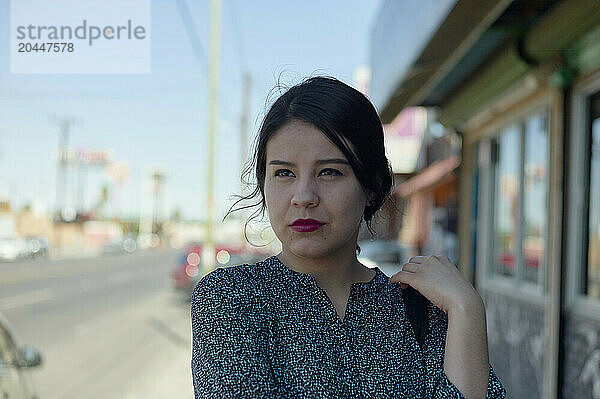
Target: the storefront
(520, 82)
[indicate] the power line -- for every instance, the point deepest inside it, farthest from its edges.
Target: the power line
(190, 29)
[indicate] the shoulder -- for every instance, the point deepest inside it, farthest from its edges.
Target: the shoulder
(228, 279)
(222, 277)
(236, 286)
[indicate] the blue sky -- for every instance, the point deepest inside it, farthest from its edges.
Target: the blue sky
(160, 118)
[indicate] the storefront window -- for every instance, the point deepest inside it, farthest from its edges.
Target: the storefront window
(593, 243)
(520, 203)
(508, 150)
(535, 196)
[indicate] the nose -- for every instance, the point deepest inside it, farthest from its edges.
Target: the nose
(306, 194)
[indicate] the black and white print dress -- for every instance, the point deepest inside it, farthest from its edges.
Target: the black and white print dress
(267, 331)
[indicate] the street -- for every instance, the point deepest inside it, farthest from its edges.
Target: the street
(107, 327)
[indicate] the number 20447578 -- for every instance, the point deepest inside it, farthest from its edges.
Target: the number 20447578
(46, 47)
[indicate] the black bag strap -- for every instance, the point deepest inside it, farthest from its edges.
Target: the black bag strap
(416, 309)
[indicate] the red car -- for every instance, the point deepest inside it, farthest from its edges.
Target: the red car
(189, 268)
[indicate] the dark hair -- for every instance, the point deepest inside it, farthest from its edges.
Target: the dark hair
(347, 118)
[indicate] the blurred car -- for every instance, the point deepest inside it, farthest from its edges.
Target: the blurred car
(15, 360)
(387, 255)
(12, 248)
(36, 247)
(125, 245)
(189, 268)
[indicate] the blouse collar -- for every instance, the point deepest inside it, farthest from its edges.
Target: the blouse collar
(305, 279)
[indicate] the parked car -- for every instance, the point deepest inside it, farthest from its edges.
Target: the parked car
(12, 248)
(125, 245)
(387, 255)
(189, 269)
(15, 360)
(186, 268)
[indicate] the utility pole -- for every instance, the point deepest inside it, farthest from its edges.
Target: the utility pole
(60, 206)
(61, 176)
(213, 101)
(246, 87)
(146, 210)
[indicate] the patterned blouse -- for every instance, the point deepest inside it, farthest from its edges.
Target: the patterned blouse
(267, 331)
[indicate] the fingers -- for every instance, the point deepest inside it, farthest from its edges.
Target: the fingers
(400, 277)
(419, 259)
(406, 271)
(430, 258)
(415, 265)
(423, 259)
(411, 267)
(406, 268)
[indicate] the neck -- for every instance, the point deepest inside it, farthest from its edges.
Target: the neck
(336, 271)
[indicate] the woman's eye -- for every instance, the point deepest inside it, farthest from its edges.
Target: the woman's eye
(331, 172)
(283, 173)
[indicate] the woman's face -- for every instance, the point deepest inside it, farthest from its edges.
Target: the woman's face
(308, 177)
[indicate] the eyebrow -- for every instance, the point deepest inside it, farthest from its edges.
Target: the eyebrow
(319, 162)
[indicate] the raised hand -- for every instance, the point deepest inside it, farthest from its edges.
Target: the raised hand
(438, 279)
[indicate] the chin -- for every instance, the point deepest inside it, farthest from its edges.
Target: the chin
(310, 250)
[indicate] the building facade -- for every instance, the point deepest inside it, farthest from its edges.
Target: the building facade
(519, 81)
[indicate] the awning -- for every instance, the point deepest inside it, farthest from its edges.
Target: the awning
(428, 189)
(435, 174)
(455, 35)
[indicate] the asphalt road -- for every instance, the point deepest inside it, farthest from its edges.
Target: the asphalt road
(107, 327)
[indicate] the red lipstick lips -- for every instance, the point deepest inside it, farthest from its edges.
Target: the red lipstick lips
(306, 225)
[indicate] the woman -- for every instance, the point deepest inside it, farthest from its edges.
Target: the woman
(312, 321)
